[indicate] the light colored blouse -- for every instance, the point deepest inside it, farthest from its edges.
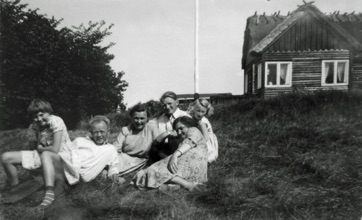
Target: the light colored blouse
(137, 144)
(45, 136)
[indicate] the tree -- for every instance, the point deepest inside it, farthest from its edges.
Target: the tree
(68, 67)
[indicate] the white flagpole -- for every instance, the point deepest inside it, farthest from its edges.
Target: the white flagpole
(196, 75)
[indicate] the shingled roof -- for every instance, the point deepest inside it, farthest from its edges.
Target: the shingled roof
(257, 27)
(261, 31)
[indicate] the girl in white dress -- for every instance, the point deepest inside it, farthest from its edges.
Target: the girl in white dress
(199, 110)
(47, 135)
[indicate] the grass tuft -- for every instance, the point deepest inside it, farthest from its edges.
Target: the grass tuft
(292, 157)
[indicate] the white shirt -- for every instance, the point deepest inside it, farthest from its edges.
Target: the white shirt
(88, 160)
(164, 122)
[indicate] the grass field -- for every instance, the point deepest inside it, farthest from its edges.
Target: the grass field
(294, 157)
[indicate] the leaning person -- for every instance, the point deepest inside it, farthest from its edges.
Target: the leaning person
(186, 167)
(49, 136)
(134, 141)
(166, 142)
(89, 157)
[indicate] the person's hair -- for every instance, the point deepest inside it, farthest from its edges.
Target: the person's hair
(139, 108)
(98, 119)
(39, 105)
(168, 94)
(185, 120)
(204, 103)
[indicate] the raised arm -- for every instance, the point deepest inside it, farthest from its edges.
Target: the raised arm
(189, 142)
(57, 139)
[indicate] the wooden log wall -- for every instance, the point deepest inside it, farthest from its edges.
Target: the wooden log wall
(253, 83)
(356, 76)
(306, 69)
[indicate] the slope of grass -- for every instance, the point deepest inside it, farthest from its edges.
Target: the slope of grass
(294, 157)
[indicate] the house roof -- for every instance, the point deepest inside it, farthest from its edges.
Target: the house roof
(261, 31)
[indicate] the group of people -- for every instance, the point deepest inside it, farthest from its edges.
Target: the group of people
(172, 149)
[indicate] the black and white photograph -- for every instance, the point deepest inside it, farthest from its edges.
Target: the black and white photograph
(180, 109)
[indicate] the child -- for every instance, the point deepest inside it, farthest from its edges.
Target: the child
(198, 110)
(48, 135)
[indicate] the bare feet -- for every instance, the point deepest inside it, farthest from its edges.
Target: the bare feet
(197, 187)
(169, 187)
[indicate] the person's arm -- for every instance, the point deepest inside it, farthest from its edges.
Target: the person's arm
(118, 144)
(172, 164)
(204, 131)
(32, 137)
(57, 139)
(164, 135)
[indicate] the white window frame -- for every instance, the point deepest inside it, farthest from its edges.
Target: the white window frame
(290, 71)
(259, 76)
(245, 83)
(253, 81)
(335, 63)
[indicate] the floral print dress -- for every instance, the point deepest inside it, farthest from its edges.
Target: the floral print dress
(192, 165)
(31, 159)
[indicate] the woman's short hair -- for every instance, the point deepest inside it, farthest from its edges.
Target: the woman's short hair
(39, 105)
(139, 108)
(168, 94)
(98, 119)
(185, 120)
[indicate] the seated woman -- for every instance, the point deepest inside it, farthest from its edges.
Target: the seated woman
(166, 142)
(134, 141)
(187, 166)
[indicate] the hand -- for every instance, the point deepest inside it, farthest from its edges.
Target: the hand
(117, 179)
(125, 131)
(40, 148)
(172, 164)
(173, 133)
(160, 137)
(104, 175)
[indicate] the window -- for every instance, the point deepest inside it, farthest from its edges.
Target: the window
(259, 76)
(335, 72)
(254, 75)
(278, 74)
(246, 84)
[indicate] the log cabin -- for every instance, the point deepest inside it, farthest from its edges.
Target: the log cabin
(305, 50)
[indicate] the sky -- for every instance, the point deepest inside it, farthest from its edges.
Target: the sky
(154, 39)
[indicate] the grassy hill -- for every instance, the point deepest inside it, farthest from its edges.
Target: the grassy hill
(294, 157)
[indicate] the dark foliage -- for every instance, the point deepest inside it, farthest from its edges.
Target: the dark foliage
(67, 66)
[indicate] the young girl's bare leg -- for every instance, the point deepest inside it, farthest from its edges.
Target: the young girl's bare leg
(9, 160)
(51, 169)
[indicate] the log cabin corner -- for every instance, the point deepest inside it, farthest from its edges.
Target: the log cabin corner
(304, 51)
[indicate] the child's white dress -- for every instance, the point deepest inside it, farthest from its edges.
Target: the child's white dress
(31, 158)
(212, 143)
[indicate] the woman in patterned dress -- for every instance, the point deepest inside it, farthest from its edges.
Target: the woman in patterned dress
(186, 167)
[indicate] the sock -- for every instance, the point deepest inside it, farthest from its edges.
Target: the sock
(49, 196)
